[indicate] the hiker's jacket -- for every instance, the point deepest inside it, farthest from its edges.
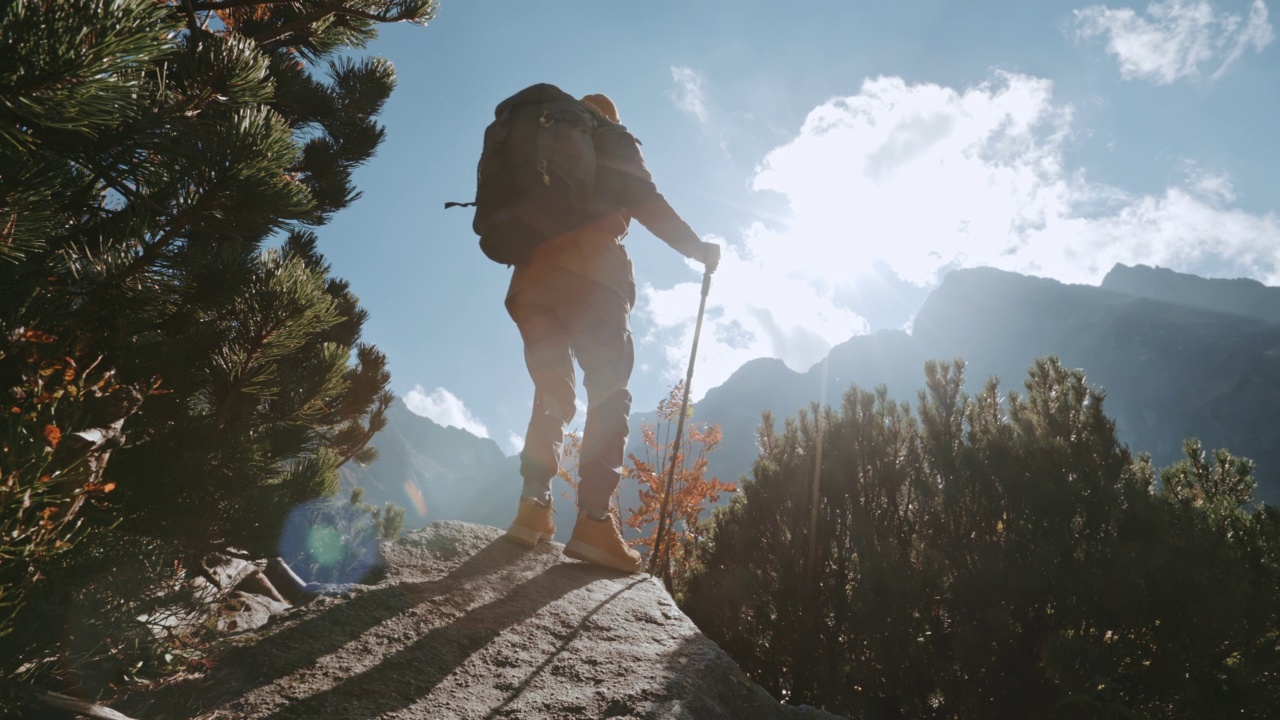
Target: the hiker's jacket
(625, 190)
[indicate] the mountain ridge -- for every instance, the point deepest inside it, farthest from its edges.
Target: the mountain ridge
(1171, 370)
(1239, 296)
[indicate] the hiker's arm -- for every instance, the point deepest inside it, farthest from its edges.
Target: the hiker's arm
(661, 219)
(640, 196)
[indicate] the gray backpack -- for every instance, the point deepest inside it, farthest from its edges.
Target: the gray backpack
(537, 173)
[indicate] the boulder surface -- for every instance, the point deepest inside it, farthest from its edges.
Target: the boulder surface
(468, 625)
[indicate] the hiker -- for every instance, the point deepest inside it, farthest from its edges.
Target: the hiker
(571, 298)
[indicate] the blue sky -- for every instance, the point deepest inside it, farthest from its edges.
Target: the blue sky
(846, 153)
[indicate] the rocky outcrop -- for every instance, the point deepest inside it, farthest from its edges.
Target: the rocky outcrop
(466, 625)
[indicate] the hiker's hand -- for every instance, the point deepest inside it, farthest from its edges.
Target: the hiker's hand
(711, 256)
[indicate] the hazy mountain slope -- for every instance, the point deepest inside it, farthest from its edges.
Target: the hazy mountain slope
(759, 384)
(437, 472)
(887, 357)
(457, 475)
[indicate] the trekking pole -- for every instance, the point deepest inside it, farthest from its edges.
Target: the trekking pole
(684, 408)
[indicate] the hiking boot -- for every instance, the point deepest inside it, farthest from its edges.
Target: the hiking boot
(601, 543)
(533, 523)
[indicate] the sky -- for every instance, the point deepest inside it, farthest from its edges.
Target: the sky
(846, 154)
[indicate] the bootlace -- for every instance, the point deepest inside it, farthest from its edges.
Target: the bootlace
(615, 518)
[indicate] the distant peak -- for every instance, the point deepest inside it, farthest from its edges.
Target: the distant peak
(1242, 297)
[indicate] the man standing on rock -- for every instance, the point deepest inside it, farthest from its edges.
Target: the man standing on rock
(571, 296)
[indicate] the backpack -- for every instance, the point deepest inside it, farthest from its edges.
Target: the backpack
(537, 172)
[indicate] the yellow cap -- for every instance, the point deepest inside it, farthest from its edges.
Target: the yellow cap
(603, 105)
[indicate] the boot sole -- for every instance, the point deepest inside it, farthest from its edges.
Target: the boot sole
(526, 537)
(579, 550)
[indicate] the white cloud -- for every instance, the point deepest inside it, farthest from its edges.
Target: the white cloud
(1177, 38)
(688, 92)
(753, 311)
(515, 442)
(923, 178)
(444, 408)
(1212, 187)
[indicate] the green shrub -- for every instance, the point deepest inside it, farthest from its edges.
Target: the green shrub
(990, 557)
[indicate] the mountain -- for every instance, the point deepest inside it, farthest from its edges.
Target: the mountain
(438, 472)
(887, 357)
(1179, 356)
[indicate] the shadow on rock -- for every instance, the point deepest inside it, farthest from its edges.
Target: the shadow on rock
(559, 650)
(705, 683)
(298, 645)
(408, 675)
(470, 627)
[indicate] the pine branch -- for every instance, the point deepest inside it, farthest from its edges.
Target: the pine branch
(304, 26)
(146, 259)
(193, 22)
(157, 247)
(384, 401)
(231, 4)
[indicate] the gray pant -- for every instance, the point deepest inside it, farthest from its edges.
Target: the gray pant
(566, 317)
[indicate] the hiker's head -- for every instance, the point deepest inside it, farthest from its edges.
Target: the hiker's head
(602, 104)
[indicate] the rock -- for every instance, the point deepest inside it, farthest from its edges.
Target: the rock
(467, 625)
(80, 708)
(257, 582)
(241, 611)
(314, 589)
(233, 594)
(220, 574)
(286, 581)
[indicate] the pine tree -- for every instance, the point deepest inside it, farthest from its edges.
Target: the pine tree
(151, 153)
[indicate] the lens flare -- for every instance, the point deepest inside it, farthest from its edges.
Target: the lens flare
(330, 540)
(325, 546)
(415, 497)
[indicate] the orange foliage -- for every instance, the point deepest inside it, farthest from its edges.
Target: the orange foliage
(568, 470)
(691, 491)
(52, 435)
